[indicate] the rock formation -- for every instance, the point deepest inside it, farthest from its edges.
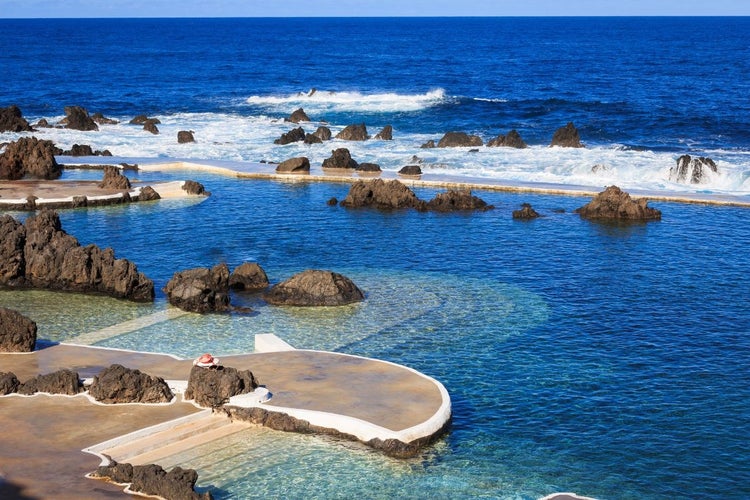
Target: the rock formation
(29, 157)
(615, 204)
(212, 387)
(340, 159)
(142, 119)
(294, 135)
(39, 254)
(299, 165)
(353, 133)
(692, 170)
(113, 179)
(323, 133)
(195, 188)
(150, 126)
(512, 140)
(117, 384)
(77, 118)
(411, 170)
(567, 137)
(102, 120)
(455, 200)
(8, 383)
(147, 193)
(200, 290)
(526, 212)
(153, 480)
(386, 134)
(185, 136)
(428, 145)
(315, 288)
(382, 194)
(248, 276)
(82, 150)
(368, 168)
(17, 332)
(59, 382)
(11, 120)
(459, 139)
(298, 115)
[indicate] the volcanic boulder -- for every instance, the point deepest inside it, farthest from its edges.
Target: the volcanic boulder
(459, 139)
(526, 212)
(512, 140)
(77, 118)
(17, 332)
(567, 137)
(8, 383)
(386, 134)
(212, 387)
(294, 135)
(410, 170)
(616, 204)
(378, 193)
(455, 200)
(692, 170)
(59, 382)
(315, 288)
(300, 165)
(248, 276)
(11, 120)
(113, 179)
(29, 157)
(340, 159)
(117, 384)
(185, 136)
(356, 132)
(52, 259)
(150, 126)
(200, 290)
(298, 115)
(195, 188)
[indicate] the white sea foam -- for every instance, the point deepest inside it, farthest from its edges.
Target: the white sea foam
(237, 138)
(325, 100)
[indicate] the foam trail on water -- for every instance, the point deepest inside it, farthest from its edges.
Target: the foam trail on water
(324, 100)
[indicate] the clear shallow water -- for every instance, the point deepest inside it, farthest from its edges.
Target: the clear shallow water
(604, 359)
(608, 360)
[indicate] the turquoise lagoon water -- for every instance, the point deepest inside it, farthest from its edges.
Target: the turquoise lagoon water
(610, 360)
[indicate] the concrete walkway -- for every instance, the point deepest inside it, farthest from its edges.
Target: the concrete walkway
(42, 459)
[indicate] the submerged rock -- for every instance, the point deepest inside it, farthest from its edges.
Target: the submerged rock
(615, 204)
(526, 212)
(315, 288)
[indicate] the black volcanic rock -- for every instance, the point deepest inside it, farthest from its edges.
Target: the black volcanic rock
(357, 132)
(457, 200)
(113, 179)
(294, 135)
(59, 382)
(11, 120)
(200, 290)
(512, 140)
(298, 115)
(212, 387)
(77, 118)
(299, 165)
(8, 383)
(692, 170)
(615, 204)
(185, 136)
(386, 134)
(567, 137)
(459, 139)
(526, 212)
(340, 159)
(315, 288)
(411, 170)
(17, 332)
(381, 194)
(29, 157)
(117, 384)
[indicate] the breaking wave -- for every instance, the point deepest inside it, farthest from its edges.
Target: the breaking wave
(325, 100)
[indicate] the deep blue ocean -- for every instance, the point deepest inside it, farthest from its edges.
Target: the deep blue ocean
(609, 360)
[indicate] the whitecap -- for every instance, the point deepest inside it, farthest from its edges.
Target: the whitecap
(326, 100)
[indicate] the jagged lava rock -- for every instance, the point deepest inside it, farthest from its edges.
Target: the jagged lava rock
(378, 193)
(512, 140)
(456, 200)
(692, 170)
(298, 115)
(77, 118)
(340, 159)
(315, 288)
(385, 134)
(185, 136)
(17, 332)
(12, 120)
(567, 137)
(299, 165)
(177, 484)
(294, 135)
(117, 384)
(248, 276)
(113, 179)
(212, 387)
(29, 157)
(8, 383)
(459, 139)
(59, 382)
(200, 290)
(356, 132)
(526, 212)
(615, 204)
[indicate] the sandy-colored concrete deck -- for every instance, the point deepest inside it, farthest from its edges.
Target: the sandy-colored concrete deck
(42, 457)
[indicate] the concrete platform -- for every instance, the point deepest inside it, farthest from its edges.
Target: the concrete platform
(42, 457)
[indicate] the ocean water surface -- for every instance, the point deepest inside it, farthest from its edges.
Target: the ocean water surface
(606, 359)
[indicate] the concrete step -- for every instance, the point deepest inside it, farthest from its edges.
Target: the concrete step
(146, 441)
